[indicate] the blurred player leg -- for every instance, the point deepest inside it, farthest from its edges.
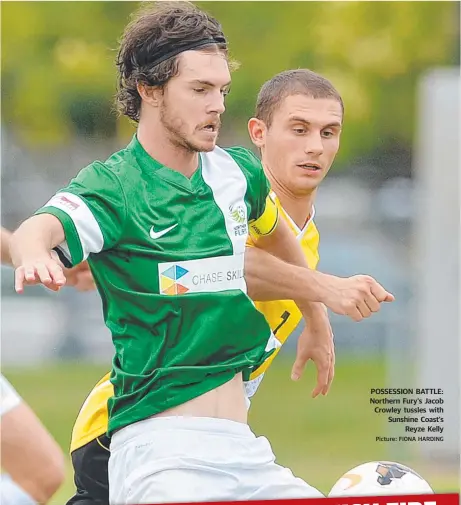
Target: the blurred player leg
(32, 460)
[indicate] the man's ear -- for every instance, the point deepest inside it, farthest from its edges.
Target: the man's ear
(149, 94)
(257, 130)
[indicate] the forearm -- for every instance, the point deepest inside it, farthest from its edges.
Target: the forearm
(6, 240)
(270, 278)
(36, 236)
(277, 269)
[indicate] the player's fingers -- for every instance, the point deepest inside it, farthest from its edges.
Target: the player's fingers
(53, 287)
(353, 312)
(43, 274)
(322, 376)
(363, 309)
(55, 257)
(57, 273)
(19, 279)
(29, 273)
(379, 292)
(372, 303)
(331, 374)
(299, 366)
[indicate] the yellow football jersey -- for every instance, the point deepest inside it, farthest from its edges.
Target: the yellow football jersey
(283, 317)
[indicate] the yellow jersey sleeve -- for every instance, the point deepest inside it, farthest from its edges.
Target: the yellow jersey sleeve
(93, 417)
(267, 222)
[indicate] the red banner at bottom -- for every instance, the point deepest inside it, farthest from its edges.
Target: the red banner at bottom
(410, 499)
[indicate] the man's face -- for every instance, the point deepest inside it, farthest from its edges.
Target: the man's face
(301, 143)
(193, 100)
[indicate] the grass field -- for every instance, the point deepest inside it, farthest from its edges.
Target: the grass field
(318, 439)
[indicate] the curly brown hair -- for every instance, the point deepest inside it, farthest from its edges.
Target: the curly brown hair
(156, 30)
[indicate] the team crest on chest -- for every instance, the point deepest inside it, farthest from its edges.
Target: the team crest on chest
(237, 213)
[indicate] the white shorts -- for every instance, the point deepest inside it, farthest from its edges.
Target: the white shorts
(192, 459)
(9, 397)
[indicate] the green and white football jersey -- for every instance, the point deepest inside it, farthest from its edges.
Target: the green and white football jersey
(167, 255)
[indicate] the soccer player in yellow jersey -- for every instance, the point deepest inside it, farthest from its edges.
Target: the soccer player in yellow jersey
(296, 127)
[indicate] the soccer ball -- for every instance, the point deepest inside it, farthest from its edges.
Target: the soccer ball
(380, 478)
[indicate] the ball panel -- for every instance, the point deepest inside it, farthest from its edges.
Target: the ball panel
(380, 478)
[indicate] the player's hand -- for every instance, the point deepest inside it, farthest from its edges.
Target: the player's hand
(357, 297)
(80, 277)
(46, 270)
(316, 343)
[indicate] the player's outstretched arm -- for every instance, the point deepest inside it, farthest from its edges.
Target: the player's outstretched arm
(79, 277)
(269, 278)
(357, 297)
(32, 254)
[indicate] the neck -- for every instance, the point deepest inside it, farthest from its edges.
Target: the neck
(156, 141)
(299, 207)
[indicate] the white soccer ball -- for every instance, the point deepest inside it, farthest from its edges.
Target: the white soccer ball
(380, 478)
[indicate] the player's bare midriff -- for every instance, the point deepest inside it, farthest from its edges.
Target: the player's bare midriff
(225, 402)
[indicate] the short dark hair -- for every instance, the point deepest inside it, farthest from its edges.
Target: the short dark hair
(292, 82)
(154, 31)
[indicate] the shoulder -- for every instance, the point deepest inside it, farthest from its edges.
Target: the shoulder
(248, 163)
(118, 172)
(244, 157)
(226, 160)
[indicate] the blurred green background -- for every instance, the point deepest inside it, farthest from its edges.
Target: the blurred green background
(58, 76)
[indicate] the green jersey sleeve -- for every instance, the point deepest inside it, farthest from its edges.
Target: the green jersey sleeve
(258, 186)
(92, 210)
(263, 213)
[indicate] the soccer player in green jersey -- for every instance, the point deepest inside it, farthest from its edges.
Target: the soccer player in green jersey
(164, 223)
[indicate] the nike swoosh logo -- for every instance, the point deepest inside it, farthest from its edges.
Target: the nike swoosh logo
(153, 234)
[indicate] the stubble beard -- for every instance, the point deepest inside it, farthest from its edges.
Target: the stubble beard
(177, 137)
